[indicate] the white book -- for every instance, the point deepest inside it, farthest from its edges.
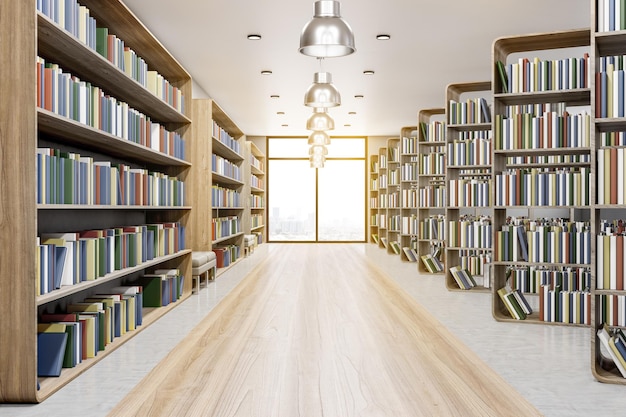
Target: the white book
(601, 179)
(600, 262)
(613, 265)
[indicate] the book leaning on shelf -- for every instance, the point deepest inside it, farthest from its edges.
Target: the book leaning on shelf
(614, 343)
(463, 278)
(515, 303)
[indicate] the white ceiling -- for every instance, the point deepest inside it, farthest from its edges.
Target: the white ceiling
(433, 43)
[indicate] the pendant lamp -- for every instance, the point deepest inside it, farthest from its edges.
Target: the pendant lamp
(320, 120)
(327, 35)
(319, 138)
(322, 93)
(318, 150)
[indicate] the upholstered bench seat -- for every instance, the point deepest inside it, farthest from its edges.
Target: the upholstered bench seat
(203, 265)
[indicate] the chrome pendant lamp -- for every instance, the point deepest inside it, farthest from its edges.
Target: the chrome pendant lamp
(320, 120)
(322, 93)
(327, 35)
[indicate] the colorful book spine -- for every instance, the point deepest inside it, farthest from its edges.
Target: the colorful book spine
(225, 226)
(611, 309)
(409, 225)
(394, 223)
(611, 15)
(470, 193)
(409, 170)
(432, 196)
(409, 198)
(408, 145)
(433, 163)
(533, 75)
(470, 111)
(225, 197)
(223, 136)
(610, 174)
(433, 131)
(475, 151)
(225, 167)
(433, 227)
(470, 233)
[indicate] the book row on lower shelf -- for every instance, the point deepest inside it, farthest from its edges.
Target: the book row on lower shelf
(223, 166)
(66, 95)
(72, 178)
(69, 258)
(225, 197)
(222, 227)
(65, 339)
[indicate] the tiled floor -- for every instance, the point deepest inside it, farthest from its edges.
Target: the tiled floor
(549, 365)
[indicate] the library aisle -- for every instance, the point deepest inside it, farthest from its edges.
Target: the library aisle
(322, 330)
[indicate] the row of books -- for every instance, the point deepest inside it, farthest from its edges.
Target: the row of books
(373, 184)
(432, 196)
(256, 182)
(394, 223)
(225, 197)
(614, 343)
(223, 136)
(76, 20)
(409, 198)
(68, 258)
(408, 145)
(543, 187)
(549, 159)
(610, 253)
(225, 167)
(256, 220)
(470, 193)
(470, 111)
(476, 263)
(71, 178)
(611, 309)
(611, 174)
(469, 152)
(382, 161)
(433, 227)
(225, 255)
(434, 131)
(68, 338)
(530, 279)
(225, 226)
(394, 154)
(432, 263)
(547, 131)
(409, 225)
(382, 220)
(256, 163)
(462, 277)
(68, 96)
(389, 200)
(515, 303)
(433, 163)
(409, 171)
(471, 232)
(611, 15)
(374, 220)
(395, 247)
(610, 88)
(533, 75)
(257, 201)
(559, 306)
(612, 138)
(543, 244)
(373, 202)
(410, 253)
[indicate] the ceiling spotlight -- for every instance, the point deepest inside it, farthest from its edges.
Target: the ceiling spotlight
(254, 37)
(266, 72)
(368, 72)
(347, 125)
(359, 96)
(320, 120)
(285, 125)
(280, 112)
(327, 35)
(383, 37)
(274, 96)
(351, 112)
(322, 93)
(318, 138)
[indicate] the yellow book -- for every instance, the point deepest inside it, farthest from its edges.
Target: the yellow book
(89, 348)
(51, 328)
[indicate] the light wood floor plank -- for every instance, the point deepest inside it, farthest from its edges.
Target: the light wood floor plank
(318, 330)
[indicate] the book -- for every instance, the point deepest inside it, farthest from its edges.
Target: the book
(410, 254)
(510, 302)
(463, 278)
(604, 335)
(503, 77)
(50, 353)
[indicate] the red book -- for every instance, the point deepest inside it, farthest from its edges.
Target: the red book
(47, 104)
(52, 317)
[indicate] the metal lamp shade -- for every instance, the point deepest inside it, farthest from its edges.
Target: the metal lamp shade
(322, 93)
(320, 121)
(327, 35)
(318, 138)
(316, 150)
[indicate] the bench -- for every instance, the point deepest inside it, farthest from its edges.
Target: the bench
(203, 265)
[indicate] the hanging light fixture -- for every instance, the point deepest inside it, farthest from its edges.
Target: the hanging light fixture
(327, 35)
(319, 138)
(318, 150)
(320, 120)
(317, 161)
(322, 93)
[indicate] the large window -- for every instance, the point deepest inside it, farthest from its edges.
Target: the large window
(313, 205)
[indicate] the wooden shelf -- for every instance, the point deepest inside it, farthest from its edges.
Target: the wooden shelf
(573, 97)
(221, 179)
(222, 150)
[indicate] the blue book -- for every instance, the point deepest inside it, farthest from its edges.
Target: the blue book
(50, 353)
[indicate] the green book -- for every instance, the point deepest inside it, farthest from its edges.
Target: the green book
(503, 78)
(102, 41)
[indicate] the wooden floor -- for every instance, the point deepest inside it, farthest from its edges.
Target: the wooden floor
(318, 330)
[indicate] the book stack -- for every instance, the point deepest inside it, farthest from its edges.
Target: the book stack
(432, 263)
(614, 344)
(471, 111)
(463, 278)
(515, 303)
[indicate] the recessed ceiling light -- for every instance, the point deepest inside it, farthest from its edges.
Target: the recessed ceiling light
(285, 125)
(347, 125)
(359, 96)
(368, 72)
(254, 37)
(280, 112)
(383, 37)
(351, 112)
(266, 72)
(274, 96)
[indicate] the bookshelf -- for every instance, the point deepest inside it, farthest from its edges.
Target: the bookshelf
(257, 192)
(409, 166)
(468, 179)
(373, 200)
(383, 198)
(228, 181)
(608, 126)
(30, 127)
(393, 196)
(431, 182)
(531, 149)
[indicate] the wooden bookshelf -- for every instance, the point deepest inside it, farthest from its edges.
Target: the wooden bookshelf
(409, 168)
(383, 181)
(33, 34)
(431, 142)
(393, 196)
(374, 203)
(519, 153)
(605, 43)
(468, 166)
(258, 216)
